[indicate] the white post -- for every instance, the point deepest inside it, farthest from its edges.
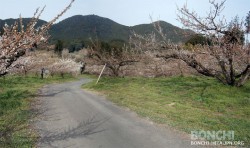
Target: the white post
(101, 73)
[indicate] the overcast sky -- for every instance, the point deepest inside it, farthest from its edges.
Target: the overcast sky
(126, 12)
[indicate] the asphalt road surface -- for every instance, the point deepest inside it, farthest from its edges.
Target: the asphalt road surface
(73, 118)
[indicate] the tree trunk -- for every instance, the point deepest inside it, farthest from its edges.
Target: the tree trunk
(243, 79)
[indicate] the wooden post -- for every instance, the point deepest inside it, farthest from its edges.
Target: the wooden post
(101, 73)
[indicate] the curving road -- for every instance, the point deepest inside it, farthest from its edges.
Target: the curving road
(73, 118)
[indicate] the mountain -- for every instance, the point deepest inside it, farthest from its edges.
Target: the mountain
(80, 28)
(11, 21)
(173, 33)
(83, 27)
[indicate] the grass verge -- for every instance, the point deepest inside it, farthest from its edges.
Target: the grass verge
(186, 103)
(16, 95)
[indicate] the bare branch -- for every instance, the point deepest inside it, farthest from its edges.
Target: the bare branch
(14, 43)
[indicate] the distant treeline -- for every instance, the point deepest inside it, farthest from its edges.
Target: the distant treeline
(77, 45)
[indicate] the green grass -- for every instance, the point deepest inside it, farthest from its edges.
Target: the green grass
(186, 103)
(16, 95)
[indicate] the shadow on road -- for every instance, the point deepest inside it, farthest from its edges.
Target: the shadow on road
(51, 93)
(45, 112)
(83, 129)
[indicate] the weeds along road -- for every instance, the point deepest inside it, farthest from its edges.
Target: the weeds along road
(73, 118)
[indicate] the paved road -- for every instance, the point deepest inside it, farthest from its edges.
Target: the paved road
(74, 118)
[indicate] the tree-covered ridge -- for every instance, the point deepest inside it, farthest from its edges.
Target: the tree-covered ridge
(83, 27)
(12, 21)
(78, 29)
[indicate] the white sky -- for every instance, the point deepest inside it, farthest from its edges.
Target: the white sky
(126, 12)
